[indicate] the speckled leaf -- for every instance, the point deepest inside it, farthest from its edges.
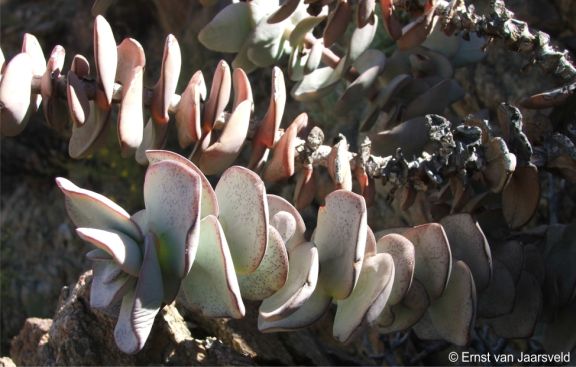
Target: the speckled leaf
(299, 286)
(338, 164)
(15, 94)
(166, 85)
(521, 196)
(220, 155)
(468, 243)
(172, 200)
(122, 248)
(402, 251)
(139, 308)
(498, 298)
(409, 311)
(433, 257)
(209, 203)
(228, 30)
(212, 285)
(341, 239)
(106, 59)
(521, 321)
(272, 272)
(89, 209)
(368, 298)
(281, 165)
(287, 220)
(454, 313)
(188, 115)
(311, 311)
(244, 216)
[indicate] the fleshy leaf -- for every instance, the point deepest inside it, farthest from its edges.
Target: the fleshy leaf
(521, 196)
(106, 60)
(209, 203)
(130, 73)
(337, 22)
(92, 210)
(84, 138)
(500, 164)
(166, 85)
(104, 294)
(278, 204)
(402, 251)
(454, 313)
(154, 137)
(219, 96)
(468, 243)
(212, 286)
(220, 155)
(15, 95)
(341, 239)
(123, 249)
(244, 216)
(286, 9)
(299, 286)
(188, 115)
(139, 308)
(497, 298)
(368, 298)
(272, 272)
(409, 311)
(78, 103)
(310, 312)
(172, 200)
(433, 257)
(361, 39)
(228, 30)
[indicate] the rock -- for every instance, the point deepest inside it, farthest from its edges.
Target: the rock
(28, 348)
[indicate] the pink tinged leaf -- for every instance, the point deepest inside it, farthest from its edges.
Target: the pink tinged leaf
(220, 155)
(468, 243)
(130, 73)
(391, 24)
(409, 311)
(89, 209)
(209, 202)
(371, 248)
(416, 32)
(339, 166)
(305, 188)
(365, 13)
(219, 96)
(85, 137)
(188, 115)
(244, 216)
(212, 285)
(402, 252)
(311, 311)
(454, 313)
(140, 307)
(284, 12)
(368, 298)
(300, 284)
(521, 321)
(105, 292)
(341, 239)
(122, 248)
(284, 223)
(154, 138)
(106, 59)
(53, 68)
(15, 95)
(78, 103)
(433, 257)
(172, 199)
(80, 66)
(277, 205)
(337, 22)
(166, 85)
(521, 196)
(31, 46)
(272, 272)
(241, 86)
(281, 166)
